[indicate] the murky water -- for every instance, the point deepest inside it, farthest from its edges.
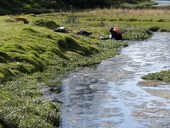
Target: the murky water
(162, 3)
(108, 95)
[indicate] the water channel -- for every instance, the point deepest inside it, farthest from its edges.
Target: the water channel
(111, 94)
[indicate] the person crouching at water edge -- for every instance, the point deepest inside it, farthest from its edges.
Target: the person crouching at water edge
(115, 33)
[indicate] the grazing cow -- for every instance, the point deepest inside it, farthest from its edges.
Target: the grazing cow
(84, 33)
(61, 29)
(21, 19)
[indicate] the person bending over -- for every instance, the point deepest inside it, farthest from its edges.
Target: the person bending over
(115, 33)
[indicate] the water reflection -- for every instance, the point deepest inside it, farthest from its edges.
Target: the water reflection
(162, 3)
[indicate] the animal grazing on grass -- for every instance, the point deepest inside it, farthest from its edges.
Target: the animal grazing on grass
(61, 29)
(21, 19)
(84, 33)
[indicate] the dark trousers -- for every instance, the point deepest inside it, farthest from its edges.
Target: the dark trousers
(116, 36)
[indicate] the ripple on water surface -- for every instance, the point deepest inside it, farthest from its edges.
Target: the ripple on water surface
(108, 95)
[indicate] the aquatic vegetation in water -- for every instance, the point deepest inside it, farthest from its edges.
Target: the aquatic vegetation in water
(161, 76)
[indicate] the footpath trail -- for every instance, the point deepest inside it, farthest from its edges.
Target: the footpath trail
(110, 94)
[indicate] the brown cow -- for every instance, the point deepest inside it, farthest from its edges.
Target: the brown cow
(21, 19)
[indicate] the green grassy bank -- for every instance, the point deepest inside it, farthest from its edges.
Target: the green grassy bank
(32, 54)
(160, 76)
